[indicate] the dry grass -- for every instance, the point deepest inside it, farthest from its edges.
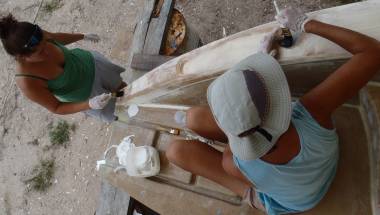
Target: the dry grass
(42, 176)
(51, 6)
(60, 133)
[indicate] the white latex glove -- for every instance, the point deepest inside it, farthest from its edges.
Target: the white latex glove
(91, 37)
(294, 19)
(266, 44)
(99, 102)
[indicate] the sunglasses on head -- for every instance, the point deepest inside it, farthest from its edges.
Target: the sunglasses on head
(35, 39)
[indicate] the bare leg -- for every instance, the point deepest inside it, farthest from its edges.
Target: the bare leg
(205, 161)
(200, 120)
(230, 168)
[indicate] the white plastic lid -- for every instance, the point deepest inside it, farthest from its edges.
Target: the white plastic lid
(133, 109)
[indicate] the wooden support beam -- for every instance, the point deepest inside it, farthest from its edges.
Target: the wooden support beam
(139, 35)
(157, 28)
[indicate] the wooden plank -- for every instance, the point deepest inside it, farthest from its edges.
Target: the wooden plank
(157, 28)
(172, 198)
(112, 200)
(217, 57)
(148, 62)
(157, 9)
(141, 29)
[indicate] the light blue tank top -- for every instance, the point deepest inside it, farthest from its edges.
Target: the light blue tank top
(301, 183)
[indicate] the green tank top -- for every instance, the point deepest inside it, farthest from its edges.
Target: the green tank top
(75, 83)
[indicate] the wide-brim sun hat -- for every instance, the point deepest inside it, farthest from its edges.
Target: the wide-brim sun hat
(251, 103)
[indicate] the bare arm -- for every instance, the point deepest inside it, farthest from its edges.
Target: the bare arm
(39, 93)
(347, 80)
(64, 38)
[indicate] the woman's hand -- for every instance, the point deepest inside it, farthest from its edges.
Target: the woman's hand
(294, 19)
(99, 102)
(91, 37)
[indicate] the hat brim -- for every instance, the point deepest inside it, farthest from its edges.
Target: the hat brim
(277, 121)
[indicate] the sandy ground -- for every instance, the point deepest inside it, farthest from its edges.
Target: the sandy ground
(76, 183)
(211, 16)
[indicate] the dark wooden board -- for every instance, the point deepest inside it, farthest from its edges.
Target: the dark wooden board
(148, 62)
(157, 28)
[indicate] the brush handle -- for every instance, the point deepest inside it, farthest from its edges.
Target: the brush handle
(276, 6)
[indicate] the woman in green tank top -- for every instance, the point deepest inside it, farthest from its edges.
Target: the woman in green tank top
(62, 80)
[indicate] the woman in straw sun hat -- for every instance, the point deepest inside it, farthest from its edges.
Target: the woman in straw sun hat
(62, 80)
(275, 148)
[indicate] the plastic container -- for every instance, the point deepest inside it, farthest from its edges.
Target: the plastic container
(138, 161)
